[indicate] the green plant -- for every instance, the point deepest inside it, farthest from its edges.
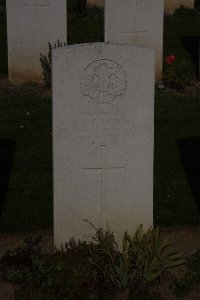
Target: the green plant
(111, 264)
(178, 72)
(192, 278)
(17, 265)
(46, 63)
(99, 268)
(150, 255)
(144, 258)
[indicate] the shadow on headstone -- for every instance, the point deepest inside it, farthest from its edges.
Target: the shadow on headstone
(190, 155)
(7, 149)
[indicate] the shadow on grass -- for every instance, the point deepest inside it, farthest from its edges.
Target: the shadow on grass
(191, 45)
(7, 149)
(190, 155)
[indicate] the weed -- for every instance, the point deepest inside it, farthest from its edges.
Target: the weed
(46, 63)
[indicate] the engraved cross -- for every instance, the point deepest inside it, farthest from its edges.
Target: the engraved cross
(36, 4)
(104, 169)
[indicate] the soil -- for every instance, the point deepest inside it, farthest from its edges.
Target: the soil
(185, 239)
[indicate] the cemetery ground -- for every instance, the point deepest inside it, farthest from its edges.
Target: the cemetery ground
(26, 177)
(26, 188)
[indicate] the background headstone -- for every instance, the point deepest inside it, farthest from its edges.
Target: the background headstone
(31, 24)
(172, 5)
(103, 119)
(136, 22)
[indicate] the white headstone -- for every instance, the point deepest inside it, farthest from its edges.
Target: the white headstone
(103, 128)
(136, 22)
(31, 24)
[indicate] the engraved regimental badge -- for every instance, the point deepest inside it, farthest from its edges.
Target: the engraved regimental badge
(103, 81)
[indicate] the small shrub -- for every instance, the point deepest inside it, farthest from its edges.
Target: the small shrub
(144, 258)
(17, 265)
(63, 274)
(178, 72)
(98, 268)
(46, 63)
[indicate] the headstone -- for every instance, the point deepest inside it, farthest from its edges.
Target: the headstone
(136, 22)
(31, 24)
(172, 5)
(103, 127)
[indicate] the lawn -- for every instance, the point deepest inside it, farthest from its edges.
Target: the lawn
(91, 30)
(26, 147)
(177, 161)
(181, 38)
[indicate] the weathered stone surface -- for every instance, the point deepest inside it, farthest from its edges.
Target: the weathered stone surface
(136, 22)
(103, 119)
(31, 24)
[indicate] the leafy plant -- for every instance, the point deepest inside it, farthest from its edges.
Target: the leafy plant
(192, 278)
(46, 63)
(143, 259)
(99, 268)
(111, 264)
(63, 274)
(149, 255)
(178, 72)
(17, 265)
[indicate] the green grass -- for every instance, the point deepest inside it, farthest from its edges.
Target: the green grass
(92, 30)
(28, 202)
(180, 38)
(176, 117)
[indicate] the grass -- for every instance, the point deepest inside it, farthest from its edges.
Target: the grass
(27, 190)
(26, 124)
(28, 205)
(181, 32)
(91, 30)
(176, 198)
